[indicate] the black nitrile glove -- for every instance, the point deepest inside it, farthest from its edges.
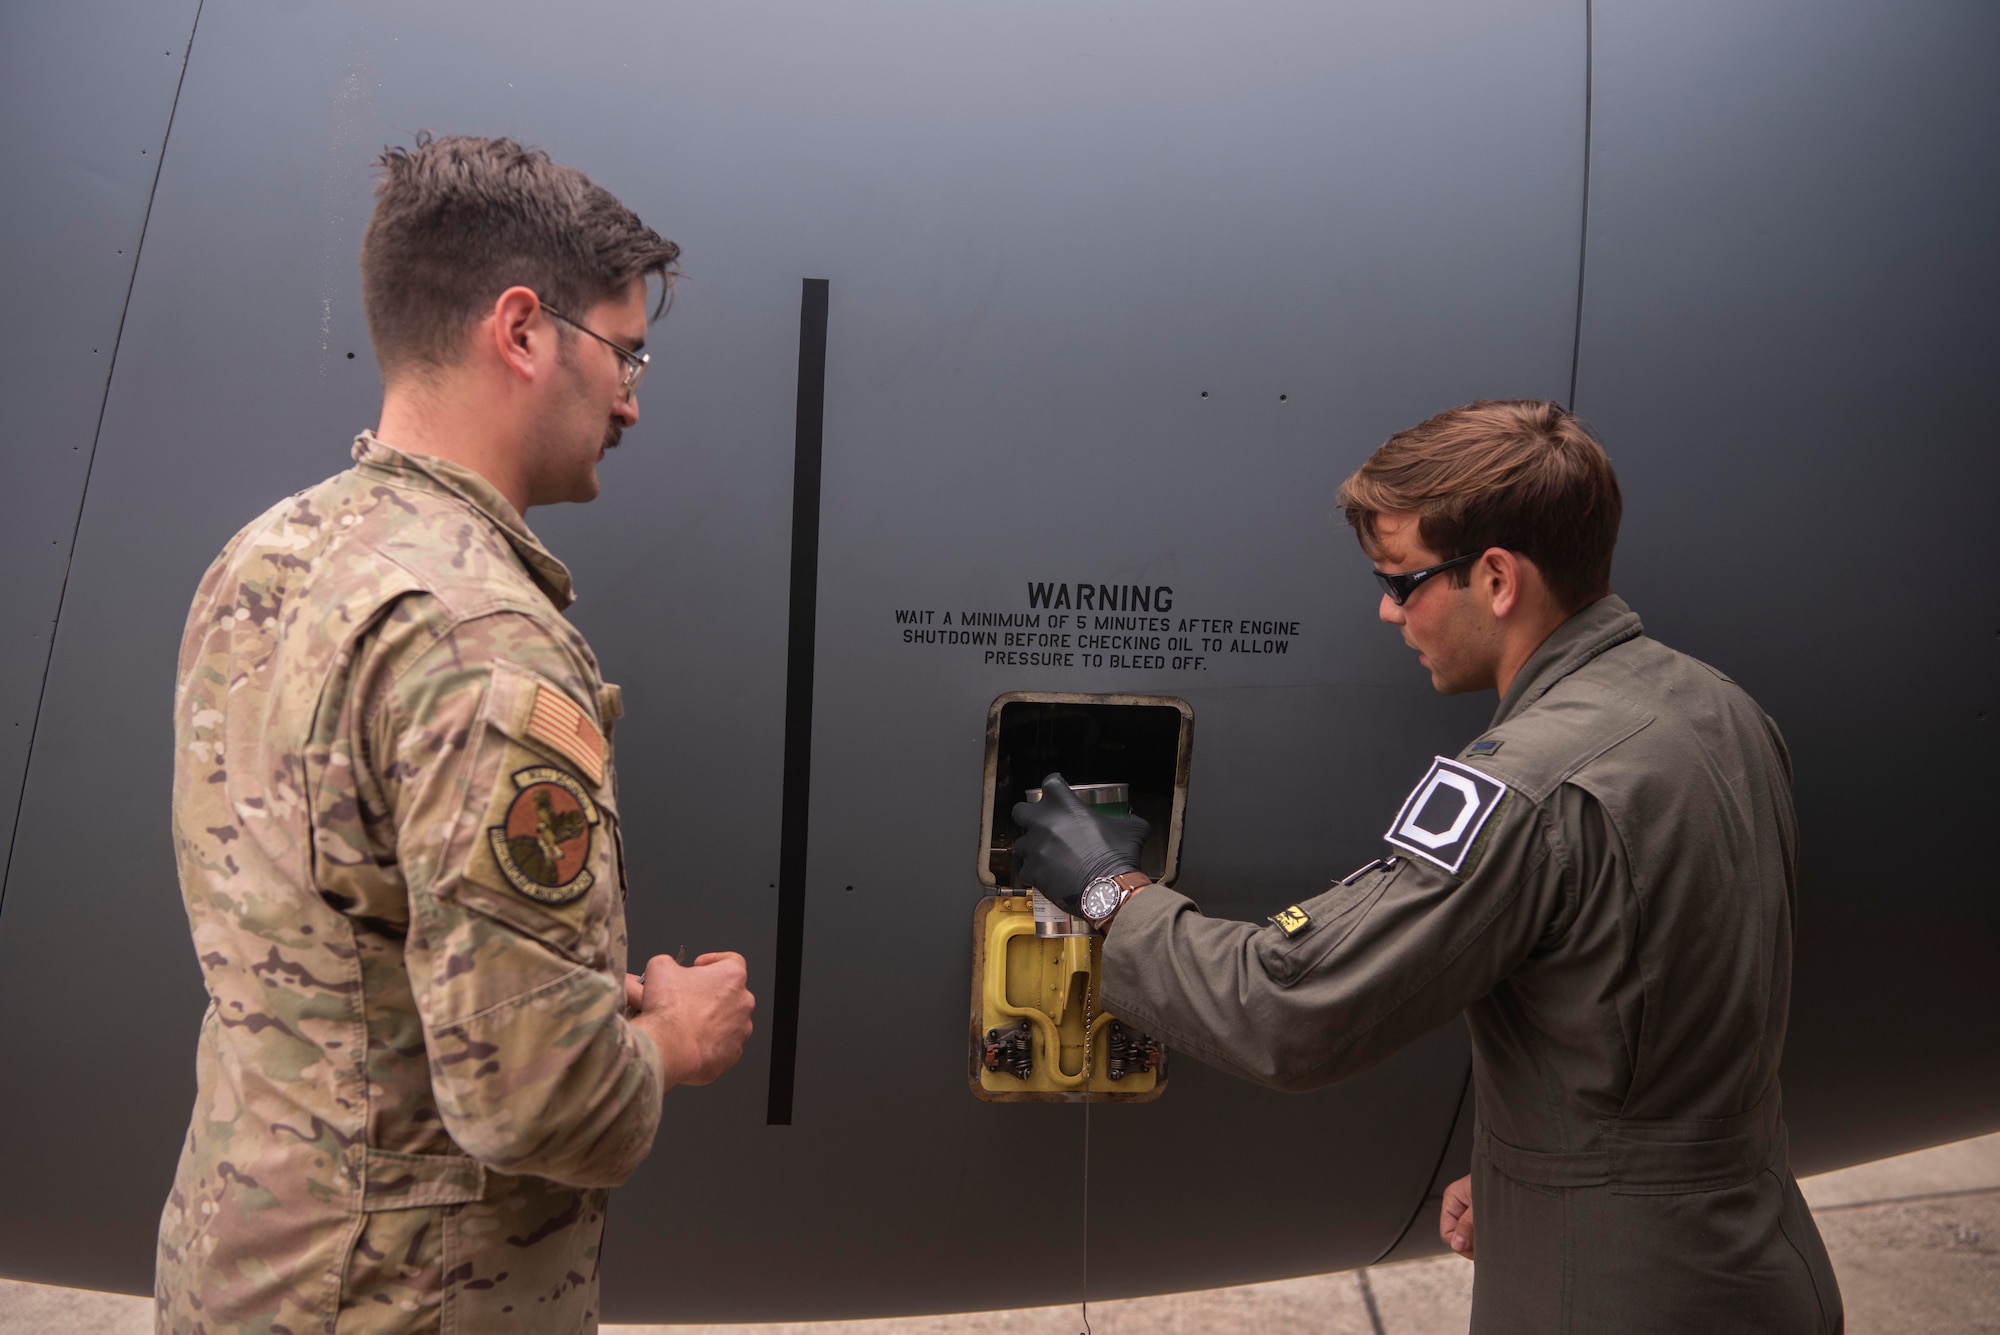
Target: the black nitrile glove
(1064, 845)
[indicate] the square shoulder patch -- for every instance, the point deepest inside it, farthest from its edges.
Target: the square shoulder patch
(1445, 812)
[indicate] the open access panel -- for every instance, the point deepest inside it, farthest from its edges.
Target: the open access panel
(1038, 1032)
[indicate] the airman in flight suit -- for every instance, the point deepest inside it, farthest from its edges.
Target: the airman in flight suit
(423, 1063)
(1603, 882)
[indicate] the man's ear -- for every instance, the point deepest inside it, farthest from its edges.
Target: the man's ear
(522, 337)
(1501, 572)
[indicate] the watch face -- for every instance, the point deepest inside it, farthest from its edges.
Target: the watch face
(1099, 899)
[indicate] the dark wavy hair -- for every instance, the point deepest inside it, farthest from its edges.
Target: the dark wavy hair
(459, 220)
(1514, 473)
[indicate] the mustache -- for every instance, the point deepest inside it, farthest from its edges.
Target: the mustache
(611, 436)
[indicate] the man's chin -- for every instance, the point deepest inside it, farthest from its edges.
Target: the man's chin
(1444, 685)
(583, 486)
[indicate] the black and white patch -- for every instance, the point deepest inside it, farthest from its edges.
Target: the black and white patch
(1444, 814)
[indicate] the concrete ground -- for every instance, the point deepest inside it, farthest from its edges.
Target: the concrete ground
(1915, 1242)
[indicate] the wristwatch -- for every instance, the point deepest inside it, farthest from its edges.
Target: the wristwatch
(1103, 897)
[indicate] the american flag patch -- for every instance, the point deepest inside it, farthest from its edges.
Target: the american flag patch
(556, 722)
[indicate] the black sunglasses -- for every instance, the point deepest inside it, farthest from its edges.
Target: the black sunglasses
(1399, 587)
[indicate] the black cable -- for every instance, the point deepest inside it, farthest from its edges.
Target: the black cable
(1368, 1301)
(1087, 1101)
(1583, 230)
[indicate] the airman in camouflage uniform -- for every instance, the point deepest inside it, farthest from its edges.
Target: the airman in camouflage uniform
(423, 1063)
(397, 825)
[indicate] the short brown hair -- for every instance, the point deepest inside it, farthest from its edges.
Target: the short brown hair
(1513, 473)
(459, 220)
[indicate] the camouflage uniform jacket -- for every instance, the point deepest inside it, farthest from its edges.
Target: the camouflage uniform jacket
(397, 829)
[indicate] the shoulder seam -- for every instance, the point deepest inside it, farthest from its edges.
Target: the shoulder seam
(452, 626)
(466, 508)
(1643, 718)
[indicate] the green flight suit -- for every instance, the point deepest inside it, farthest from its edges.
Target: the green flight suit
(1605, 884)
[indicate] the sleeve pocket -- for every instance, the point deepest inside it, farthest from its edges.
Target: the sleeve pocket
(1333, 915)
(538, 852)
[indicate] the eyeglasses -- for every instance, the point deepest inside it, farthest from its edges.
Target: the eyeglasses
(1399, 587)
(635, 362)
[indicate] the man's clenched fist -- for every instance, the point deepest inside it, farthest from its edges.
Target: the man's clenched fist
(698, 1016)
(1455, 1218)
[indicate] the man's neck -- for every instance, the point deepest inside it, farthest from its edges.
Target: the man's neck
(451, 420)
(1521, 640)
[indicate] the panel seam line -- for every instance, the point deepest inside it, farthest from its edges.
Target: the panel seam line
(1423, 1193)
(90, 463)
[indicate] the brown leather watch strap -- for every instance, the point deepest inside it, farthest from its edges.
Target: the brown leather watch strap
(1131, 882)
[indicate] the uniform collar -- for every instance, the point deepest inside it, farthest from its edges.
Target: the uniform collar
(444, 478)
(1598, 627)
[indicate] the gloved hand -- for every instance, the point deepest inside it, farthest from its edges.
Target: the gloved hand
(1064, 845)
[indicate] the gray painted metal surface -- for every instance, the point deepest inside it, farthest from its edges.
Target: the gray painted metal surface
(1076, 257)
(1788, 341)
(85, 92)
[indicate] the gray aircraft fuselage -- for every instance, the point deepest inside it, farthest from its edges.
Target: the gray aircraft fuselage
(1114, 296)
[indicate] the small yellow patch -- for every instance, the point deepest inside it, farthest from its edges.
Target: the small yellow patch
(557, 722)
(1292, 921)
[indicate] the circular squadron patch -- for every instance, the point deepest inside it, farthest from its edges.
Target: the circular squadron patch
(543, 844)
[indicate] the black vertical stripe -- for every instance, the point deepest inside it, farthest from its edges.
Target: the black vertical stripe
(798, 702)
